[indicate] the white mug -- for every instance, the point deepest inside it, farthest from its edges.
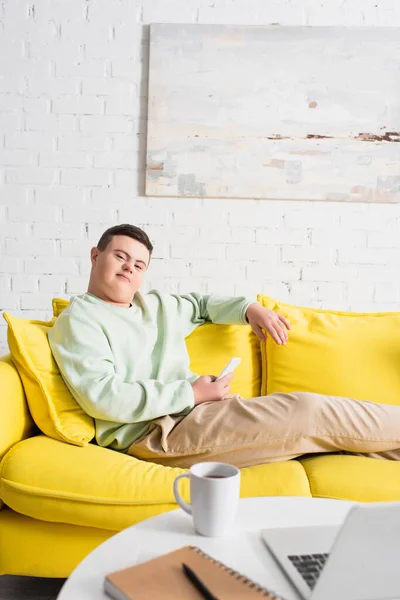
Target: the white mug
(214, 494)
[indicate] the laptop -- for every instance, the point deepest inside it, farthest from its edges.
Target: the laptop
(359, 560)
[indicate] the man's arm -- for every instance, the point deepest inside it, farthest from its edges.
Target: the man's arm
(233, 311)
(264, 319)
(194, 309)
(86, 363)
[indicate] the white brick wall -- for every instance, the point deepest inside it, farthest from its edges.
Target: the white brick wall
(73, 80)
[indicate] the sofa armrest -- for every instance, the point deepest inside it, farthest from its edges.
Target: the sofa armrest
(16, 423)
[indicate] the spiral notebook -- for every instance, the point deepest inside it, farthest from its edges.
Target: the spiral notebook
(163, 578)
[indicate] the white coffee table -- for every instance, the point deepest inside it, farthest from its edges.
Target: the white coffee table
(243, 550)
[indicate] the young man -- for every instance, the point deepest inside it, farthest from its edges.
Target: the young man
(123, 356)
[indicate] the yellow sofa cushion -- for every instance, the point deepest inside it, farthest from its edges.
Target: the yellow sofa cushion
(357, 478)
(97, 487)
(211, 346)
(51, 404)
(59, 304)
(335, 353)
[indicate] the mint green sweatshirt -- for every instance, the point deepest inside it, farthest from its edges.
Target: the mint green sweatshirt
(128, 366)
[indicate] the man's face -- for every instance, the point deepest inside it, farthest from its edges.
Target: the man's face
(118, 271)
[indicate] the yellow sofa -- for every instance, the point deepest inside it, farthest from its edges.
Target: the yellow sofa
(58, 501)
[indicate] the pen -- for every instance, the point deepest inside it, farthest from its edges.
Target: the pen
(198, 584)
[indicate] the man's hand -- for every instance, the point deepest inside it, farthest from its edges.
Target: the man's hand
(206, 389)
(261, 318)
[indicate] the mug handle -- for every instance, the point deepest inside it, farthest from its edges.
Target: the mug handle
(186, 507)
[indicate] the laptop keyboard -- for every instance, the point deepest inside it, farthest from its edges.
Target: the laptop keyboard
(309, 566)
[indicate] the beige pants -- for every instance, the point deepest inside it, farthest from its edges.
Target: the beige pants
(272, 428)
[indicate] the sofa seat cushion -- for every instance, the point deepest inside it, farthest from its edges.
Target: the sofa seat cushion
(357, 478)
(54, 481)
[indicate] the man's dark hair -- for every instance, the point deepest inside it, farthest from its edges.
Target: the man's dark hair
(130, 231)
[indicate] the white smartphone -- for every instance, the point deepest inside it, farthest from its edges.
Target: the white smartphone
(230, 367)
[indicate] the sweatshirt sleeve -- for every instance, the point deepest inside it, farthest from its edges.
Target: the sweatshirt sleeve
(195, 309)
(81, 349)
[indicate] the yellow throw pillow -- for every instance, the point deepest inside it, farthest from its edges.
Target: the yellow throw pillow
(51, 404)
(211, 346)
(59, 304)
(334, 353)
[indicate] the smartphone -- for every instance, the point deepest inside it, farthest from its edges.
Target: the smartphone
(230, 367)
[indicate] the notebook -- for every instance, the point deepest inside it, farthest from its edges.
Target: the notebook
(162, 578)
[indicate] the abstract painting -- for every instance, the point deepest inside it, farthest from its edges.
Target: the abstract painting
(297, 113)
